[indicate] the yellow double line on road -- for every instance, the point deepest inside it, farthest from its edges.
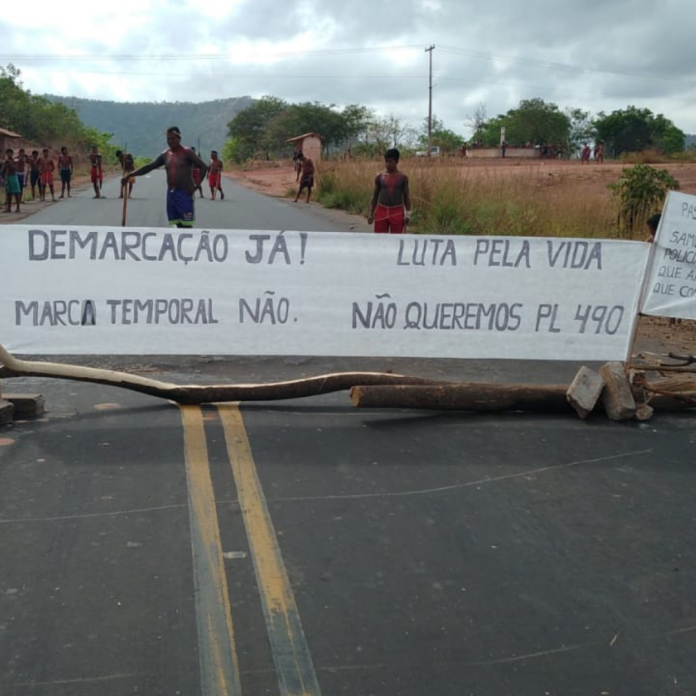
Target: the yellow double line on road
(216, 642)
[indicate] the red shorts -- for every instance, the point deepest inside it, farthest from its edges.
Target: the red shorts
(95, 175)
(389, 220)
(47, 178)
(214, 180)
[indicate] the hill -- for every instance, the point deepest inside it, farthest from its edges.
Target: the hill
(689, 140)
(141, 125)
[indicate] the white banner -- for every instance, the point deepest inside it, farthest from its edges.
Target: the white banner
(671, 281)
(99, 290)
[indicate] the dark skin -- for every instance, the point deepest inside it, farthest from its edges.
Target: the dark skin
(65, 161)
(306, 172)
(215, 167)
(179, 163)
(46, 165)
(9, 168)
(387, 196)
(127, 166)
(34, 167)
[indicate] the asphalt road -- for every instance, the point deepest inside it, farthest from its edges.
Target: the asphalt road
(241, 209)
(306, 547)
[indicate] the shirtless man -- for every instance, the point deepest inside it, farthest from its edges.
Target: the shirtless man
(12, 190)
(46, 167)
(21, 171)
(96, 174)
(306, 178)
(215, 175)
(127, 165)
(390, 208)
(34, 173)
(179, 162)
(65, 167)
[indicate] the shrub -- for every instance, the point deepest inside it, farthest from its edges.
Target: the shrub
(637, 193)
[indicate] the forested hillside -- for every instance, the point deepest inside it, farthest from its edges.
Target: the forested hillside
(141, 125)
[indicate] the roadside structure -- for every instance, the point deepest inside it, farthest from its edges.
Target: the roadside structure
(308, 144)
(9, 139)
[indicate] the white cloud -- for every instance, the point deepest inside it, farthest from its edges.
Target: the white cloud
(595, 55)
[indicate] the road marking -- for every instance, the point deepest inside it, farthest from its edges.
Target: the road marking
(217, 654)
(296, 675)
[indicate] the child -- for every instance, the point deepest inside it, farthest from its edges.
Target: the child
(12, 189)
(390, 208)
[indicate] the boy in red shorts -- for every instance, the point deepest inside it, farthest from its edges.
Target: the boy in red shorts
(390, 208)
(46, 167)
(95, 173)
(215, 175)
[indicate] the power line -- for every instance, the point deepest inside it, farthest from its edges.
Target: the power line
(62, 57)
(548, 65)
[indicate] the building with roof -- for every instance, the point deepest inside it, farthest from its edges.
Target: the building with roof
(309, 144)
(8, 139)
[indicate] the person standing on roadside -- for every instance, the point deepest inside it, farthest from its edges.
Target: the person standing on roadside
(179, 162)
(46, 168)
(127, 166)
(21, 172)
(96, 174)
(65, 168)
(390, 209)
(34, 173)
(215, 175)
(9, 173)
(306, 177)
(197, 178)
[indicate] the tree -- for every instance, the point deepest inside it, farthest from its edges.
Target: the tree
(581, 128)
(633, 130)
(477, 122)
(489, 133)
(15, 102)
(248, 126)
(535, 121)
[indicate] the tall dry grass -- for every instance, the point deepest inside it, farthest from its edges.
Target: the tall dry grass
(453, 198)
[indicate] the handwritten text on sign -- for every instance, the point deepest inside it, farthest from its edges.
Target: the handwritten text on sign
(155, 291)
(671, 282)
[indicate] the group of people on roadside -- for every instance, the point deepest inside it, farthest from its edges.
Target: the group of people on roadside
(185, 174)
(24, 171)
(586, 153)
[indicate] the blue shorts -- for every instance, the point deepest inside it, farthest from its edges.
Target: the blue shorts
(20, 178)
(180, 208)
(65, 176)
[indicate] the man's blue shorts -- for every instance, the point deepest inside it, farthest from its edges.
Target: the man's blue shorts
(65, 176)
(180, 208)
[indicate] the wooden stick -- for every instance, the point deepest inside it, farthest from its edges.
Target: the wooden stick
(201, 394)
(465, 396)
(125, 204)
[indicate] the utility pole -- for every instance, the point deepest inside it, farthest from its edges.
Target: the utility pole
(430, 95)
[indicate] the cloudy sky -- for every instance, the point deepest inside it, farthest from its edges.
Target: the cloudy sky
(592, 54)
